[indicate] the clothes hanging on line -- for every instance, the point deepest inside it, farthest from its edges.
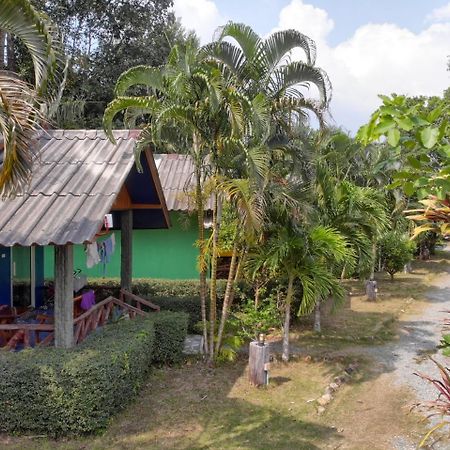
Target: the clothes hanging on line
(92, 256)
(106, 250)
(109, 245)
(87, 300)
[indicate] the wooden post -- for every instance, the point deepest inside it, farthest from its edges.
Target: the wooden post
(126, 245)
(258, 364)
(371, 290)
(64, 296)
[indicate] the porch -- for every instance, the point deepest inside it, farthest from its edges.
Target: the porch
(37, 328)
(78, 177)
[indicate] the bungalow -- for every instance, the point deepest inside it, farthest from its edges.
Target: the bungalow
(158, 253)
(78, 178)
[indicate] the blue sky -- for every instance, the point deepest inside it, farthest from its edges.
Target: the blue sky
(347, 14)
(367, 47)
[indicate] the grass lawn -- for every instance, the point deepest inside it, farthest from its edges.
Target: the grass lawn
(192, 407)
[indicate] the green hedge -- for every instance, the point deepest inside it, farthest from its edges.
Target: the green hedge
(152, 287)
(170, 332)
(60, 392)
(171, 295)
(188, 305)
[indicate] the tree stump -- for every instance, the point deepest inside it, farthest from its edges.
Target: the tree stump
(371, 290)
(258, 363)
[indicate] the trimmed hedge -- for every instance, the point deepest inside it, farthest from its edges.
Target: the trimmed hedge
(60, 392)
(188, 305)
(152, 287)
(170, 332)
(171, 295)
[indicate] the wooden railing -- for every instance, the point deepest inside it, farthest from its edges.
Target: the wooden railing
(15, 333)
(95, 317)
(140, 302)
(99, 314)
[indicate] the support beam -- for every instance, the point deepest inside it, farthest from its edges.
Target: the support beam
(126, 245)
(64, 296)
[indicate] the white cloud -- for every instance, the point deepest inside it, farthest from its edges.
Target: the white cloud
(203, 16)
(377, 59)
(312, 21)
(439, 14)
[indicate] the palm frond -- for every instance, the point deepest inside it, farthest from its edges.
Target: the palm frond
(19, 120)
(149, 105)
(243, 34)
(278, 44)
(150, 77)
(298, 74)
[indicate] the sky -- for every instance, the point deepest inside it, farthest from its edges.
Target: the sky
(367, 47)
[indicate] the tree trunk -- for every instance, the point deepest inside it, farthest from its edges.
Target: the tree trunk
(228, 299)
(2, 50)
(374, 257)
(10, 56)
(213, 281)
(317, 316)
(343, 273)
(201, 239)
(287, 319)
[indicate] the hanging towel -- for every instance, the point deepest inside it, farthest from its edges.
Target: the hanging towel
(109, 249)
(87, 300)
(113, 240)
(93, 257)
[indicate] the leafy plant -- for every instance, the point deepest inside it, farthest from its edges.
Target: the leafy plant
(395, 250)
(248, 321)
(440, 406)
(245, 324)
(418, 133)
(445, 344)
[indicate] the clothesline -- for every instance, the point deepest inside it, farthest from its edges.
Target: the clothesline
(100, 252)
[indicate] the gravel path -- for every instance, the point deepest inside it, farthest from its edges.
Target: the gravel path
(419, 336)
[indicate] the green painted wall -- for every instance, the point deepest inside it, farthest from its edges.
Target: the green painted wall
(21, 261)
(170, 254)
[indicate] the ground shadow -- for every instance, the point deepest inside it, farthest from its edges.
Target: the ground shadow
(278, 381)
(193, 407)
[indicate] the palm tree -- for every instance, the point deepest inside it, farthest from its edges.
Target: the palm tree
(191, 107)
(294, 253)
(23, 107)
(264, 65)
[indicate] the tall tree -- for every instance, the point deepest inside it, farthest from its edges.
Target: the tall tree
(189, 106)
(103, 38)
(265, 65)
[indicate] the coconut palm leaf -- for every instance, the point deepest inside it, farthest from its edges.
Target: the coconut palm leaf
(288, 78)
(246, 38)
(150, 77)
(18, 123)
(21, 107)
(280, 43)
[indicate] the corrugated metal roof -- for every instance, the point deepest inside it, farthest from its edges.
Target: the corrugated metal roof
(76, 178)
(176, 173)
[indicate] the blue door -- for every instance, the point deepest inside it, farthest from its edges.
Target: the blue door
(5, 275)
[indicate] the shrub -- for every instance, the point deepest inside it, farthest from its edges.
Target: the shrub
(76, 391)
(189, 305)
(170, 295)
(150, 287)
(396, 250)
(170, 332)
